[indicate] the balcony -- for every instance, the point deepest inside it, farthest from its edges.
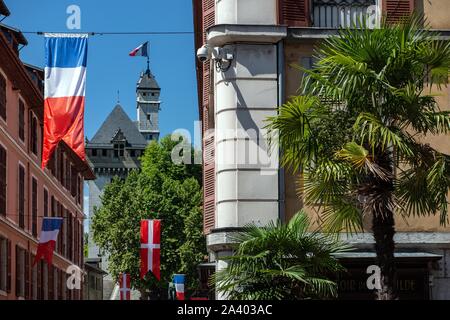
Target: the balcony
(333, 14)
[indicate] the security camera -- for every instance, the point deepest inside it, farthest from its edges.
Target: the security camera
(203, 53)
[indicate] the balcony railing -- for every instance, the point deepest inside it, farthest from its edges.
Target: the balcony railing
(341, 13)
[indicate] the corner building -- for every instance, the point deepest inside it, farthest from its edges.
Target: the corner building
(266, 37)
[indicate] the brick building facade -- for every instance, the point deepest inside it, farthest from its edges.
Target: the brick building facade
(28, 193)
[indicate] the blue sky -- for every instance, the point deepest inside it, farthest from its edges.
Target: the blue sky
(172, 57)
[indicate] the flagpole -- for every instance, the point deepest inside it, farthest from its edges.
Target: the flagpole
(148, 64)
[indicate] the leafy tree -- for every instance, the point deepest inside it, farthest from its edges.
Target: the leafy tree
(281, 261)
(356, 132)
(163, 190)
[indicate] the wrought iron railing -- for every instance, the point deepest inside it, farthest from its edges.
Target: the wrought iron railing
(341, 13)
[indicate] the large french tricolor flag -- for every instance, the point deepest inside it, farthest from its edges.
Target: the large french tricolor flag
(178, 280)
(47, 239)
(65, 83)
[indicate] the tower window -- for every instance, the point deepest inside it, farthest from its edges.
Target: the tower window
(153, 94)
(119, 150)
(94, 152)
(149, 117)
(104, 152)
(144, 94)
(132, 153)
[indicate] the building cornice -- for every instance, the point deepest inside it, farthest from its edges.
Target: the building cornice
(222, 34)
(312, 33)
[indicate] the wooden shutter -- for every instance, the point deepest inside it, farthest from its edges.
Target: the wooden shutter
(8, 261)
(208, 20)
(395, 10)
(294, 13)
(39, 280)
(17, 272)
(27, 276)
(2, 97)
(51, 284)
(32, 282)
(3, 182)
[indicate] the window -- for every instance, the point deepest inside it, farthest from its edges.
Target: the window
(34, 281)
(53, 206)
(45, 203)
(69, 235)
(94, 152)
(34, 208)
(21, 196)
(132, 153)
(149, 117)
(33, 134)
(104, 153)
(20, 271)
(67, 182)
(2, 97)
(61, 166)
(73, 181)
(341, 14)
(119, 149)
(79, 189)
(21, 120)
(51, 284)
(3, 181)
(4, 270)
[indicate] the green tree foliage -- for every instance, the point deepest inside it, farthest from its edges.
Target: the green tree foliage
(355, 135)
(163, 190)
(281, 261)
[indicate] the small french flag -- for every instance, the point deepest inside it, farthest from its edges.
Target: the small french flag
(178, 280)
(142, 50)
(47, 240)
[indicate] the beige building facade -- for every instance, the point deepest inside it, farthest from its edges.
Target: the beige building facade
(254, 44)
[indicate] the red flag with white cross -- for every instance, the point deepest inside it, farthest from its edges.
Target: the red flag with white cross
(125, 286)
(150, 247)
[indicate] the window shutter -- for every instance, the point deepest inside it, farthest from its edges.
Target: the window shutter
(17, 272)
(294, 13)
(50, 283)
(208, 14)
(395, 10)
(38, 280)
(2, 97)
(3, 182)
(8, 280)
(27, 276)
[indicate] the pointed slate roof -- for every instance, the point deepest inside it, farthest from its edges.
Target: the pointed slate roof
(147, 81)
(117, 120)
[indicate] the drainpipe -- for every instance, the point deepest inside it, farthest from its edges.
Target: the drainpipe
(281, 188)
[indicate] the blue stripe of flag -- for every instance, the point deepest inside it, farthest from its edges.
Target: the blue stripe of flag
(65, 52)
(178, 278)
(51, 224)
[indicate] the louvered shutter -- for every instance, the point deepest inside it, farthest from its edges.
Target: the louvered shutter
(50, 283)
(17, 272)
(8, 261)
(27, 276)
(395, 10)
(294, 13)
(208, 13)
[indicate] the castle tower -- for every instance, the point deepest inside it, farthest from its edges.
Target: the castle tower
(148, 106)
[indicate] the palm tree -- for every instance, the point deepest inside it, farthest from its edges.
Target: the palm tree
(355, 134)
(281, 261)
